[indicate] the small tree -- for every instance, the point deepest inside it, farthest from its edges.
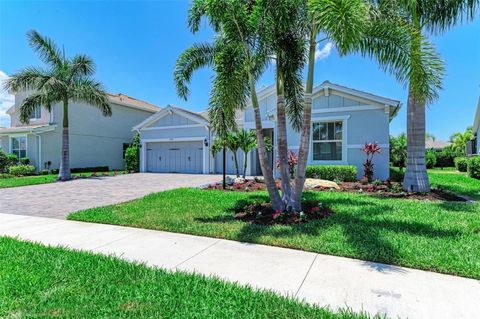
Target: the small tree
(398, 150)
(247, 141)
(370, 149)
(132, 155)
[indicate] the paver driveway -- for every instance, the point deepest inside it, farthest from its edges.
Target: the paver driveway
(57, 200)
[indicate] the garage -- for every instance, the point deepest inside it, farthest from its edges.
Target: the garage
(175, 157)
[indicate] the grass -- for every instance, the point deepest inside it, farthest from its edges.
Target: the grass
(35, 179)
(437, 236)
(455, 181)
(45, 282)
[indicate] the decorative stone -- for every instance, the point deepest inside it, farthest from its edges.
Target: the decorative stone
(239, 180)
(259, 179)
(311, 183)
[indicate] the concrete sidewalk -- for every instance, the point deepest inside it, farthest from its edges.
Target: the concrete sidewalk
(325, 280)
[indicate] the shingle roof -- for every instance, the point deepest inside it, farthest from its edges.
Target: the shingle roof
(130, 101)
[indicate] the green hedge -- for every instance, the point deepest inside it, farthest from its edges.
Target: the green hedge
(397, 174)
(430, 158)
(89, 169)
(21, 170)
(473, 168)
(461, 164)
(344, 173)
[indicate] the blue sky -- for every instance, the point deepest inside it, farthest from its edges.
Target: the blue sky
(135, 45)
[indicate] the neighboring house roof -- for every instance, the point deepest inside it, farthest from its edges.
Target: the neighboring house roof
(476, 121)
(194, 116)
(28, 129)
(436, 144)
(126, 100)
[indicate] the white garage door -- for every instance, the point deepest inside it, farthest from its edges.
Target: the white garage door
(175, 157)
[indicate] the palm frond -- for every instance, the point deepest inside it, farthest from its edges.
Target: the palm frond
(440, 15)
(343, 21)
(35, 100)
(81, 65)
(91, 92)
(192, 59)
(30, 78)
(46, 48)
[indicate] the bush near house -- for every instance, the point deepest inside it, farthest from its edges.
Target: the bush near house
(132, 161)
(461, 164)
(343, 173)
(430, 158)
(24, 161)
(89, 169)
(473, 167)
(21, 170)
(12, 160)
(397, 174)
(445, 158)
(3, 161)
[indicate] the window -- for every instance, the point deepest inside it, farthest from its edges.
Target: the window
(36, 114)
(19, 146)
(327, 141)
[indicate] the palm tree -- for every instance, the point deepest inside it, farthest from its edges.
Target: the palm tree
(66, 79)
(238, 59)
(417, 65)
(246, 142)
(459, 141)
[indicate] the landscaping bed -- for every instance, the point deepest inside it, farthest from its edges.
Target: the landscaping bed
(45, 282)
(380, 189)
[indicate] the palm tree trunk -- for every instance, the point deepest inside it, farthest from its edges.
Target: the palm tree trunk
(282, 144)
(296, 201)
(416, 178)
(245, 158)
(235, 160)
(262, 152)
(64, 173)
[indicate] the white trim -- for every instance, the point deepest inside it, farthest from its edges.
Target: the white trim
(174, 139)
(348, 109)
(344, 160)
(330, 118)
(154, 128)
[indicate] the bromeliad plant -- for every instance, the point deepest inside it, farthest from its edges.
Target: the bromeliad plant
(370, 149)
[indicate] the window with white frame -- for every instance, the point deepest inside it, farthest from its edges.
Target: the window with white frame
(36, 113)
(327, 141)
(19, 146)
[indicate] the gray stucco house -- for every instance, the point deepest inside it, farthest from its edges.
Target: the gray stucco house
(178, 140)
(473, 147)
(95, 140)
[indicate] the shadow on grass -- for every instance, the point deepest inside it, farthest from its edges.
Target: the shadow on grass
(368, 235)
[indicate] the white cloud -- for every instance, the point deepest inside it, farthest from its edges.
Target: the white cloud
(323, 53)
(6, 101)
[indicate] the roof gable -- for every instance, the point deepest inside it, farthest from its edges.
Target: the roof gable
(173, 116)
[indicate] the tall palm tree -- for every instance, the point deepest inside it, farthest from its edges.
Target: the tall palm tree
(65, 80)
(238, 59)
(417, 65)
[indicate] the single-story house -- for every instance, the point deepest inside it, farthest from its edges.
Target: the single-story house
(343, 120)
(95, 140)
(473, 146)
(436, 145)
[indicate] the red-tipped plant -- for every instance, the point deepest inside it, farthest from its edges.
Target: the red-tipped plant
(370, 149)
(292, 162)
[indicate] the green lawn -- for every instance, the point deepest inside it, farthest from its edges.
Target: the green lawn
(455, 181)
(34, 180)
(437, 236)
(43, 282)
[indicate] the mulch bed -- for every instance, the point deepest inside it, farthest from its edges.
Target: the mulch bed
(385, 190)
(264, 214)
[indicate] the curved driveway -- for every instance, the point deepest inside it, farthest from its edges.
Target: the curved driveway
(57, 200)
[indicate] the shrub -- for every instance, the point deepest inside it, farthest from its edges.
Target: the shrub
(21, 170)
(430, 158)
(344, 173)
(473, 167)
(396, 174)
(25, 161)
(461, 164)
(12, 160)
(445, 158)
(370, 149)
(292, 163)
(132, 158)
(44, 172)
(3, 161)
(55, 171)
(89, 169)
(398, 150)
(3, 175)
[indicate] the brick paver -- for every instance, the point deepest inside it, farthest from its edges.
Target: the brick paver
(57, 200)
